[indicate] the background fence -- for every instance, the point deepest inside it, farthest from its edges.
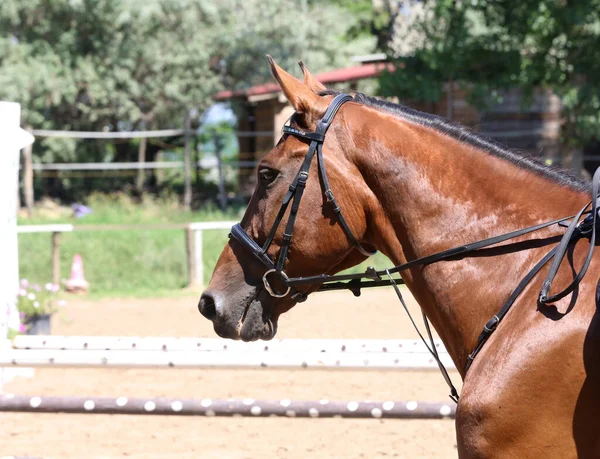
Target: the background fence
(193, 236)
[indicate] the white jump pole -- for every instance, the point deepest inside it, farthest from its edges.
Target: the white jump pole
(168, 344)
(12, 139)
(249, 360)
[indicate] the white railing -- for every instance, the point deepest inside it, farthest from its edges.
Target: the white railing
(164, 352)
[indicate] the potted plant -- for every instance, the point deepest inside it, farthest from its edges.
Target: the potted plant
(36, 304)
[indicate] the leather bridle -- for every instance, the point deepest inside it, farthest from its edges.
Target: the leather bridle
(576, 229)
(294, 195)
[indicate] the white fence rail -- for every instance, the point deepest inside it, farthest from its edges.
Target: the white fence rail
(220, 360)
(56, 228)
(163, 352)
(167, 344)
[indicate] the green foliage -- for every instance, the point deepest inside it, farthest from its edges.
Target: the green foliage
(125, 261)
(114, 62)
(316, 32)
(488, 45)
(111, 65)
(131, 262)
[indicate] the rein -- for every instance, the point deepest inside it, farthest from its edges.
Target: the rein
(576, 230)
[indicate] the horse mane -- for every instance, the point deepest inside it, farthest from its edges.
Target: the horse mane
(464, 134)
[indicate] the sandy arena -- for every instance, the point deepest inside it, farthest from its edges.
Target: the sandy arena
(377, 314)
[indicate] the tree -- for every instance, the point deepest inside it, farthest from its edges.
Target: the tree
(319, 33)
(496, 44)
(114, 65)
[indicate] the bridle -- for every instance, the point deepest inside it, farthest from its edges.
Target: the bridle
(576, 229)
(294, 195)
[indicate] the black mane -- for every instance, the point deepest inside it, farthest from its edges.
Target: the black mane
(466, 135)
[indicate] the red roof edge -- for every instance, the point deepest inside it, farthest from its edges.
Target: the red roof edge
(333, 76)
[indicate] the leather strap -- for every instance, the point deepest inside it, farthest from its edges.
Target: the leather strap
(294, 196)
(575, 231)
(432, 349)
(429, 259)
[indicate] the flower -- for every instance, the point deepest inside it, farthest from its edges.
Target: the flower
(79, 210)
(22, 328)
(24, 283)
(36, 300)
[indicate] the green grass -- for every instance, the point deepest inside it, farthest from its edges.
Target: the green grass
(129, 262)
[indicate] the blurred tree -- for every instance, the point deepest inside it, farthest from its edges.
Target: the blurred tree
(488, 45)
(110, 65)
(105, 64)
(319, 33)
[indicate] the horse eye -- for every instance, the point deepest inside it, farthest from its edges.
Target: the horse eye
(267, 175)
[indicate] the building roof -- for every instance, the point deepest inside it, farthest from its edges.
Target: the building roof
(333, 76)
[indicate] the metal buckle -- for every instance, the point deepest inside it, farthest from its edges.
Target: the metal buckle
(268, 287)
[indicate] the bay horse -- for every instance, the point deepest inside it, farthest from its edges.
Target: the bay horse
(411, 185)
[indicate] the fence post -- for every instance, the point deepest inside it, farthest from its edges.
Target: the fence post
(56, 257)
(12, 139)
(198, 255)
(191, 259)
(187, 164)
(141, 173)
(28, 179)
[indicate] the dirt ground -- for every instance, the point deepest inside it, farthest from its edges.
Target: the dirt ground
(327, 315)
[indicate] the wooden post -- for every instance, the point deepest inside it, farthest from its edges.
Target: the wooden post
(218, 147)
(141, 173)
(187, 164)
(28, 179)
(197, 162)
(191, 259)
(198, 255)
(159, 173)
(56, 257)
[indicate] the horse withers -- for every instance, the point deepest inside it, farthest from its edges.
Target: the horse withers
(410, 185)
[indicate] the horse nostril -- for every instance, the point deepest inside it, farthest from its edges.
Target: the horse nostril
(207, 307)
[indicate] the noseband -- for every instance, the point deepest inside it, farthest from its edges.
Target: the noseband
(294, 195)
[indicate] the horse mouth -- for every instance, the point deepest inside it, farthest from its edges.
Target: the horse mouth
(256, 322)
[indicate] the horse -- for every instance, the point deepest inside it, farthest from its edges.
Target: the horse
(410, 185)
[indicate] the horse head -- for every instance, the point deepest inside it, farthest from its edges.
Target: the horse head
(238, 301)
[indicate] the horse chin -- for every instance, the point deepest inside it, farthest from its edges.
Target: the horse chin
(257, 323)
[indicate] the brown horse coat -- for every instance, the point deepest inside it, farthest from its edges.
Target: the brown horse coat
(411, 185)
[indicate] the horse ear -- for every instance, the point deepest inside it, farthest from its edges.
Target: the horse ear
(310, 80)
(302, 98)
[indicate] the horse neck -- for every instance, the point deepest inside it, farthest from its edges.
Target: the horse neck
(434, 192)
